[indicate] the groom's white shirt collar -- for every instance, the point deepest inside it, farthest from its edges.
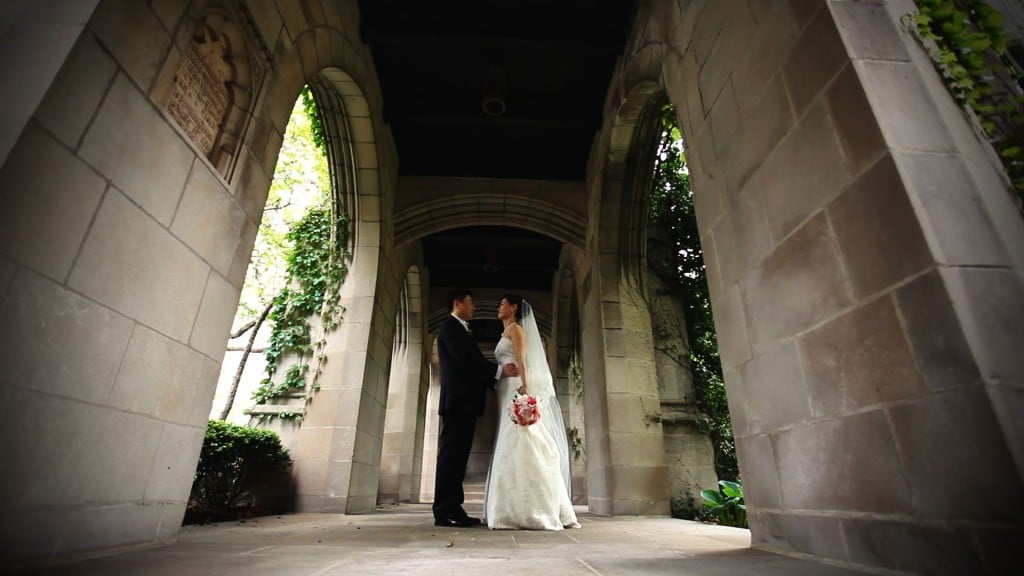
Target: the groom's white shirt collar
(461, 321)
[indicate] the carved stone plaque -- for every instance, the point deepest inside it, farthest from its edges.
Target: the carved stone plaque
(199, 99)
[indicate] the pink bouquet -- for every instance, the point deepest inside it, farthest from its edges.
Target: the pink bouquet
(524, 410)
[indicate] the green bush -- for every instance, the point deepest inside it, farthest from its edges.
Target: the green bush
(727, 504)
(235, 465)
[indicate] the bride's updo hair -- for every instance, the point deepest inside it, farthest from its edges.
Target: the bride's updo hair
(517, 301)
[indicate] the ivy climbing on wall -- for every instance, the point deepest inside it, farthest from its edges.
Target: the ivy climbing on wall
(968, 45)
(317, 265)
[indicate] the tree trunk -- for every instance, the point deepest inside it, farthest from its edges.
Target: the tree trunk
(241, 363)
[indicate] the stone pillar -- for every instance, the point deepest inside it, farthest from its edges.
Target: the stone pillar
(431, 429)
(395, 423)
(340, 443)
(399, 477)
(689, 454)
(624, 442)
(122, 255)
(865, 264)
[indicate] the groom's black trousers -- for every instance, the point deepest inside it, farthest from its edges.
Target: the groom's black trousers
(453, 448)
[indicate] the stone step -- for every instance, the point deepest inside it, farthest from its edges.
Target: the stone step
(474, 492)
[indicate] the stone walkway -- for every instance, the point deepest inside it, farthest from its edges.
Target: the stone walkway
(403, 540)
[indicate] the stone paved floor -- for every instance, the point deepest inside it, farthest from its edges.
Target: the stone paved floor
(403, 540)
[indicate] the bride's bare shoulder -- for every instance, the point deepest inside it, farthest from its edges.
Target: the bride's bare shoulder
(512, 330)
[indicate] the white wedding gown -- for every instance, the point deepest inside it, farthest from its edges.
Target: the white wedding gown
(525, 485)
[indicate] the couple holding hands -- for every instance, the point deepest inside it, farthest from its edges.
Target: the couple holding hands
(528, 484)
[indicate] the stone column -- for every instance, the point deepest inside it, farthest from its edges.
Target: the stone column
(865, 264)
(431, 430)
(624, 442)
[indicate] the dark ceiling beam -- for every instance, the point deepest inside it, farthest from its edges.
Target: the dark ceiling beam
(469, 41)
(482, 121)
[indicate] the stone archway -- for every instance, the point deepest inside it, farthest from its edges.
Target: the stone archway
(864, 261)
(347, 412)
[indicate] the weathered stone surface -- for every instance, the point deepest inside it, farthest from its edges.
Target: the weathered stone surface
(58, 343)
(859, 359)
(130, 143)
(934, 332)
(243, 253)
(757, 460)
(203, 397)
(869, 31)
(950, 210)
(142, 51)
(854, 122)
(157, 377)
(164, 293)
(208, 219)
(213, 322)
(169, 12)
(811, 150)
(49, 199)
(267, 18)
(917, 549)
(91, 527)
(727, 49)
(906, 114)
(174, 464)
(758, 133)
(816, 58)
(75, 94)
(800, 284)
(961, 427)
(818, 535)
(49, 434)
(766, 51)
(878, 231)
(742, 236)
(847, 464)
(773, 393)
(987, 302)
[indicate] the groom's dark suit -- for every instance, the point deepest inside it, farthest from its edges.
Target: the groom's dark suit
(465, 378)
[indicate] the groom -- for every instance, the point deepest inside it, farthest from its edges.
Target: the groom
(465, 378)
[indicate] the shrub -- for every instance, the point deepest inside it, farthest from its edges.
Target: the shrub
(727, 504)
(235, 464)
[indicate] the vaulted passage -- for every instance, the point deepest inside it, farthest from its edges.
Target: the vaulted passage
(862, 247)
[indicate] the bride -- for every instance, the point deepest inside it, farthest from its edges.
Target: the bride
(529, 483)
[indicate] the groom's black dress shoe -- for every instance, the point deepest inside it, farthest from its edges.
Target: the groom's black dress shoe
(455, 522)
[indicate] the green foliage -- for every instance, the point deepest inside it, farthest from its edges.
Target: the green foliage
(317, 267)
(301, 180)
(315, 121)
(971, 54)
(235, 461)
(726, 504)
(315, 253)
(681, 265)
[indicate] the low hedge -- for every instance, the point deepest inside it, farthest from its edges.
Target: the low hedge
(242, 472)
